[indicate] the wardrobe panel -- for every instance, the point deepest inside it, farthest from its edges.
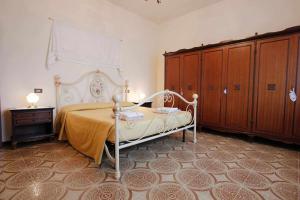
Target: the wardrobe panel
(190, 75)
(271, 86)
(172, 77)
(211, 87)
(239, 79)
(297, 108)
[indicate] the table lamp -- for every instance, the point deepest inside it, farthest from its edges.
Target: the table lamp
(32, 99)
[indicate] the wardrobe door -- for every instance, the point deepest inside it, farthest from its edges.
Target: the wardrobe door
(211, 87)
(297, 110)
(275, 75)
(189, 75)
(172, 77)
(239, 79)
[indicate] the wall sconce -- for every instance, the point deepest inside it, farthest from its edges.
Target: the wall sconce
(32, 99)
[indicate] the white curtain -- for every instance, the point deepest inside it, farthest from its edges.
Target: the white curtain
(69, 44)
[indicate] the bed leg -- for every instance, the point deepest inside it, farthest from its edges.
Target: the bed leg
(117, 173)
(195, 97)
(117, 163)
(183, 136)
(195, 134)
(117, 156)
(116, 110)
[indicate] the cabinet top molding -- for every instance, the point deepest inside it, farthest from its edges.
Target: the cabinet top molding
(294, 29)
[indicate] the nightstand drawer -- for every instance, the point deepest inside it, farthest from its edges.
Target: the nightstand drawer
(31, 121)
(32, 117)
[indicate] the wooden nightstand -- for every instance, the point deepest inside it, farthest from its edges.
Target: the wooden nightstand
(147, 104)
(30, 124)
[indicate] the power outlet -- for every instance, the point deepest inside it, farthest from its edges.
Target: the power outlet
(38, 90)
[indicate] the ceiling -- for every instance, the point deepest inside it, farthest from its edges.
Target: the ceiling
(164, 11)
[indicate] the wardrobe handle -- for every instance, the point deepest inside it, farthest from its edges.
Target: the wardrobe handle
(181, 92)
(225, 91)
(293, 95)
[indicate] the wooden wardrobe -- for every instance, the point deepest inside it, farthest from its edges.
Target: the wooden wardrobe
(244, 85)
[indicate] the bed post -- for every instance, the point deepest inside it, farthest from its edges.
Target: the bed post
(116, 109)
(195, 97)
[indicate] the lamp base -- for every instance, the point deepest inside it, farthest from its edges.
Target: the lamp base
(32, 106)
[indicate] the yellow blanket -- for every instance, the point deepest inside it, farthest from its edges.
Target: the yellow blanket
(86, 135)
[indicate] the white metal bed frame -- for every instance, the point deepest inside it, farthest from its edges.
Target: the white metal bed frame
(95, 89)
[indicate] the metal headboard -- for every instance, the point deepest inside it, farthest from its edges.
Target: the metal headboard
(94, 86)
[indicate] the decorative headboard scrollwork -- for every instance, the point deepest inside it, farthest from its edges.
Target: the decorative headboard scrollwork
(95, 86)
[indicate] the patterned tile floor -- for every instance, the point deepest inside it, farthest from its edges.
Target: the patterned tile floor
(216, 167)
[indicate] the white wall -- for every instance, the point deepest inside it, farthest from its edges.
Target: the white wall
(225, 20)
(24, 36)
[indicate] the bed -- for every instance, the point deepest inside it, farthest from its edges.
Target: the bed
(88, 116)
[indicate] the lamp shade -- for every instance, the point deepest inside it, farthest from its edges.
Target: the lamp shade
(32, 98)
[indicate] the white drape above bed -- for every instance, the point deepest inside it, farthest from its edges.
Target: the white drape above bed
(69, 44)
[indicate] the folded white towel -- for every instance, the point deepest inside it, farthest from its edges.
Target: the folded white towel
(166, 110)
(131, 115)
